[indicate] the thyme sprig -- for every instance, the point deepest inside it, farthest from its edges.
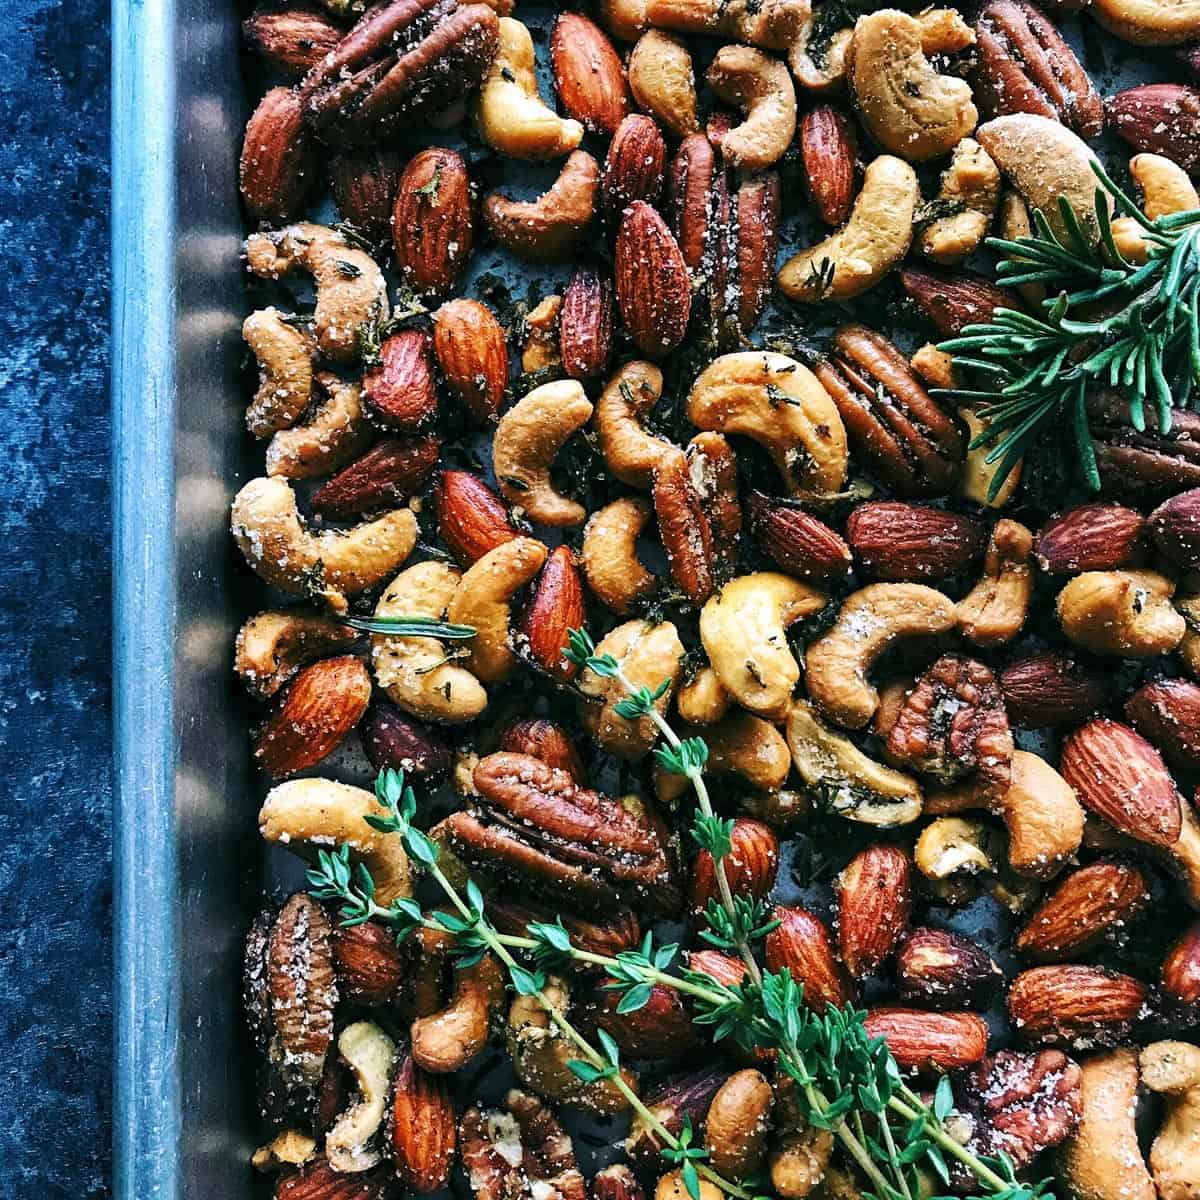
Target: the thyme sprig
(1108, 322)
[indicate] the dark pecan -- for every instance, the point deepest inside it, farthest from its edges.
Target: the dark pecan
(391, 738)
(1024, 65)
(952, 300)
(683, 528)
(936, 968)
(615, 931)
(691, 185)
(677, 1098)
(891, 420)
(756, 216)
(1144, 467)
(585, 323)
(953, 724)
(536, 826)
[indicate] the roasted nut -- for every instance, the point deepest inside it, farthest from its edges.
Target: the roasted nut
(555, 607)
(1075, 1006)
(697, 195)
(712, 468)
(1181, 968)
(585, 324)
(1161, 118)
(273, 646)
(387, 475)
(686, 1095)
(1168, 714)
(364, 186)
(445, 1041)
(610, 561)
(929, 1042)
(285, 355)
(796, 541)
(761, 88)
(608, 935)
(552, 226)
(829, 149)
(672, 1186)
(332, 436)
(1050, 688)
(616, 1182)
(955, 846)
(290, 40)
(399, 393)
(745, 747)
(993, 612)
(684, 529)
(936, 968)
(390, 738)
(278, 167)
(970, 187)
(735, 1129)
(953, 300)
(368, 1052)
(285, 1150)
(540, 351)
(542, 738)
(801, 945)
(1172, 1070)
(630, 453)
(703, 700)
(421, 1132)
(898, 542)
(756, 220)
(1175, 527)
(633, 168)
(1166, 190)
(473, 355)
(1043, 816)
(317, 1180)
(588, 74)
(749, 867)
(1093, 537)
(662, 81)
(874, 901)
(660, 1028)
(471, 518)
(653, 290)
(1144, 467)
(800, 1160)
(1126, 613)
(873, 241)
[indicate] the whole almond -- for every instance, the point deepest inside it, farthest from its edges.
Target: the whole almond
(1181, 967)
(317, 1180)
(633, 168)
(1074, 1005)
(471, 518)
(585, 323)
(1167, 712)
(1086, 906)
(936, 968)
(874, 901)
(1160, 118)
(290, 40)
(364, 190)
(798, 542)
(653, 288)
(433, 220)
(588, 74)
(661, 1028)
(278, 168)
(400, 393)
(542, 738)
(952, 300)
(801, 945)
(750, 866)
(1092, 537)
(898, 542)
(370, 967)
(421, 1127)
(829, 149)
(929, 1042)
(391, 738)
(1175, 527)
(472, 352)
(325, 702)
(384, 477)
(724, 968)
(1120, 777)
(1052, 689)
(556, 607)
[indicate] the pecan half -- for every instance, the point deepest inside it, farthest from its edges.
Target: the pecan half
(1144, 467)
(756, 210)
(691, 184)
(684, 528)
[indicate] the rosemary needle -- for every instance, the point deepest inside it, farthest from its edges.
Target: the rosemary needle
(411, 627)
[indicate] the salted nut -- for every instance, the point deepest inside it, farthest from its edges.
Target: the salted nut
(368, 1052)
(993, 612)
(328, 439)
(610, 562)
(769, 25)
(630, 452)
(1150, 22)
(1166, 189)
(1127, 613)
(953, 846)
(971, 190)
(552, 226)
(285, 354)
(761, 87)
(663, 83)
(1172, 1070)
(741, 745)
(272, 646)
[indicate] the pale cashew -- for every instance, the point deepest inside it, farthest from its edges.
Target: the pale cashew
(954, 846)
(703, 700)
(1044, 819)
(971, 189)
(744, 632)
(904, 103)
(1102, 1159)
(1166, 189)
(1150, 22)
(741, 745)
(625, 19)
(446, 1041)
(332, 436)
(671, 1186)
(483, 599)
(368, 1052)
(1044, 161)
(736, 1126)
(513, 118)
(1172, 1069)
(943, 31)
(552, 226)
(272, 646)
(541, 349)
(332, 565)
(936, 368)
(1128, 613)
(610, 561)
(648, 655)
(1189, 648)
(977, 474)
(760, 87)
(662, 81)
(415, 672)
(351, 290)
(525, 444)
(311, 814)
(875, 238)
(843, 778)
(780, 404)
(994, 610)
(540, 1052)
(285, 354)
(871, 620)
(1014, 223)
(631, 454)
(287, 1149)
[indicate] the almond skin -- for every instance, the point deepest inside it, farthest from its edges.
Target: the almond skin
(724, 968)
(750, 866)
(471, 518)
(798, 542)
(370, 967)
(1175, 527)
(1069, 1005)
(433, 220)
(1167, 713)
(661, 1028)
(391, 738)
(1086, 907)
(324, 703)
(290, 40)
(556, 607)
(319, 1181)
(829, 149)
(939, 969)
(912, 543)
(278, 168)
(929, 1042)
(653, 288)
(874, 901)
(421, 1128)
(1120, 777)
(1160, 118)
(364, 190)
(952, 300)
(801, 944)
(588, 74)
(585, 323)
(1092, 537)
(544, 739)
(384, 477)
(400, 393)
(633, 168)
(1052, 689)
(472, 352)
(1181, 967)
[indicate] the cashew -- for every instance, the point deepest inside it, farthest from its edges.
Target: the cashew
(273, 646)
(735, 1129)
(875, 238)
(415, 671)
(541, 350)
(610, 561)
(648, 655)
(1150, 22)
(744, 632)
(1014, 223)
(351, 290)
(936, 368)
(289, 1148)
(332, 436)
(844, 779)
(1172, 1069)
(1045, 161)
(870, 621)
(1044, 819)
(1166, 189)
(906, 106)
(483, 599)
(741, 745)
(332, 565)
(285, 356)
(977, 474)
(703, 700)
(513, 118)
(368, 1052)
(540, 1052)
(662, 81)
(1189, 649)
(994, 610)
(801, 1159)
(1102, 1159)
(761, 88)
(780, 404)
(1127, 613)
(784, 811)
(971, 188)
(446, 1041)
(943, 31)
(825, 70)
(625, 19)
(631, 454)
(525, 444)
(552, 226)
(953, 846)
(316, 813)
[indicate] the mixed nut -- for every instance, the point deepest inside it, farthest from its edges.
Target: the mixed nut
(949, 719)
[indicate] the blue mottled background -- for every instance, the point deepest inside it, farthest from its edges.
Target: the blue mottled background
(55, 1006)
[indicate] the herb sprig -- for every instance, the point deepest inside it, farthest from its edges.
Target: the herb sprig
(411, 627)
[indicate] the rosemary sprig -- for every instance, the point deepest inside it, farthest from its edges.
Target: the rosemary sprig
(1108, 322)
(411, 627)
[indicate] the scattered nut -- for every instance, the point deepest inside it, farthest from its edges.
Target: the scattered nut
(552, 226)
(761, 87)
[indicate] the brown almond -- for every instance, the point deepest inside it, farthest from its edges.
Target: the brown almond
(589, 76)
(556, 607)
(364, 188)
(542, 738)
(798, 542)
(433, 220)
(683, 528)
(929, 1042)
(471, 518)
(750, 866)
(323, 703)
(633, 168)
(661, 1028)
(421, 1128)
(936, 968)
(290, 40)
(952, 300)
(1167, 713)
(370, 967)
(472, 352)
(278, 168)
(400, 393)
(653, 289)
(829, 150)
(585, 323)
(317, 1180)
(801, 944)
(723, 968)
(391, 738)
(1074, 1005)
(384, 477)
(1175, 527)
(1181, 967)
(1092, 537)
(1052, 689)
(874, 901)
(1160, 118)
(898, 542)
